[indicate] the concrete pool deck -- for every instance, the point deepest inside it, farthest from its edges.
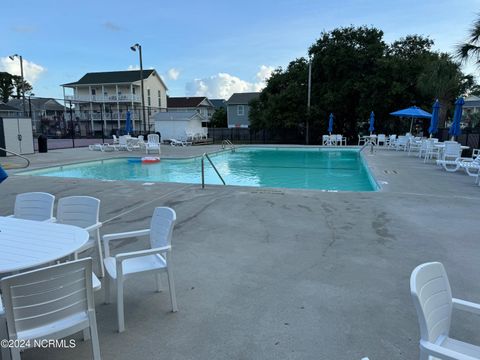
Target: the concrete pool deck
(281, 274)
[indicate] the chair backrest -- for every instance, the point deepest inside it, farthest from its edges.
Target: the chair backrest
(381, 137)
(34, 206)
(81, 211)
(161, 226)
(114, 138)
(452, 149)
(393, 137)
(153, 139)
(432, 297)
(122, 140)
(339, 137)
(43, 296)
(325, 137)
(140, 138)
(402, 140)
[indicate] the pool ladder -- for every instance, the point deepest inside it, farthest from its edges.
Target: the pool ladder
(205, 155)
(21, 156)
(228, 143)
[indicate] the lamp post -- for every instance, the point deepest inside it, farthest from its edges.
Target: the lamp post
(12, 57)
(134, 48)
(308, 98)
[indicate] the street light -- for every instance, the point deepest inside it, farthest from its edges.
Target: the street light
(12, 57)
(134, 48)
(308, 97)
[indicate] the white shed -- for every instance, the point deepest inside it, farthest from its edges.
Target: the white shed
(176, 125)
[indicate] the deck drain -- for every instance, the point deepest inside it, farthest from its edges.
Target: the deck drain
(390, 172)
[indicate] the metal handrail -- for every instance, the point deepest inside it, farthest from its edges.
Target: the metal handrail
(366, 144)
(229, 143)
(14, 153)
(205, 155)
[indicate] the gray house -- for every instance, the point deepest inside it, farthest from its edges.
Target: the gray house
(238, 109)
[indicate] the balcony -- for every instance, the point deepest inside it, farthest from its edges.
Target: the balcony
(102, 99)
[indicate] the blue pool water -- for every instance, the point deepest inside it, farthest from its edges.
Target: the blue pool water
(314, 168)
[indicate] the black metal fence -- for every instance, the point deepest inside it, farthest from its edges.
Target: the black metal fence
(249, 136)
(469, 137)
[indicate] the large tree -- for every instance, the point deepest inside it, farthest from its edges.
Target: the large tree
(11, 86)
(470, 50)
(354, 72)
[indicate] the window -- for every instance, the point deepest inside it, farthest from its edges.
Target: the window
(133, 90)
(93, 92)
(148, 92)
(159, 99)
(240, 110)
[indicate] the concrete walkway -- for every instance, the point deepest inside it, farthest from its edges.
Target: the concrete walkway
(281, 274)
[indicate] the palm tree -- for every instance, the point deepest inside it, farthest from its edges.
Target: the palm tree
(471, 49)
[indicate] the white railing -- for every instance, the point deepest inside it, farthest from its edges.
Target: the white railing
(106, 98)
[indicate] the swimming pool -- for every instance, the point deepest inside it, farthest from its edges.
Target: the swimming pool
(284, 167)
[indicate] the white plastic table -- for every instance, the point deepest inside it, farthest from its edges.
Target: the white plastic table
(25, 244)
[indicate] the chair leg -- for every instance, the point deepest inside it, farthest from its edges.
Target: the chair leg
(171, 287)
(100, 254)
(86, 334)
(94, 334)
(158, 281)
(120, 312)
(106, 284)
(4, 335)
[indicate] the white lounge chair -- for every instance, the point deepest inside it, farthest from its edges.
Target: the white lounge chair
(153, 143)
(49, 303)
(402, 143)
(381, 140)
(123, 144)
(155, 260)
(36, 206)
(115, 139)
(432, 296)
(83, 211)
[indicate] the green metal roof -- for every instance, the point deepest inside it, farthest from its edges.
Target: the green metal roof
(111, 77)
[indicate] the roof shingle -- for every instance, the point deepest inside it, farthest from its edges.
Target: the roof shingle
(111, 77)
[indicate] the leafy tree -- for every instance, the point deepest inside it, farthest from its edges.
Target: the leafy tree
(443, 79)
(354, 72)
(471, 48)
(282, 104)
(219, 118)
(11, 85)
(6, 86)
(17, 84)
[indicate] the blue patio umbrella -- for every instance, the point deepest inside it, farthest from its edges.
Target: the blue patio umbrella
(372, 122)
(412, 112)
(330, 124)
(128, 123)
(434, 122)
(3, 174)
(457, 117)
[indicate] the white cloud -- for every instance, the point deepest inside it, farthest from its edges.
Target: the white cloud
(173, 74)
(223, 85)
(31, 71)
(133, 67)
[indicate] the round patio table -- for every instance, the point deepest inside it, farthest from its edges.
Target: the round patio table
(25, 243)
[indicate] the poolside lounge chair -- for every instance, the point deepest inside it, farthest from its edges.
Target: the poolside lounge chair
(49, 303)
(95, 147)
(115, 139)
(471, 166)
(402, 143)
(36, 206)
(123, 144)
(155, 260)
(381, 140)
(153, 143)
(175, 142)
(432, 296)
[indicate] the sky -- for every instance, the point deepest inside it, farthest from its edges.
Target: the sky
(210, 47)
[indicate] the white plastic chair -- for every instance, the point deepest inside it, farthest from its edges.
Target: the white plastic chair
(452, 150)
(381, 140)
(361, 140)
(402, 143)
(341, 140)
(123, 144)
(155, 260)
(115, 139)
(392, 141)
(50, 303)
(325, 140)
(36, 206)
(153, 143)
(84, 212)
(433, 301)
